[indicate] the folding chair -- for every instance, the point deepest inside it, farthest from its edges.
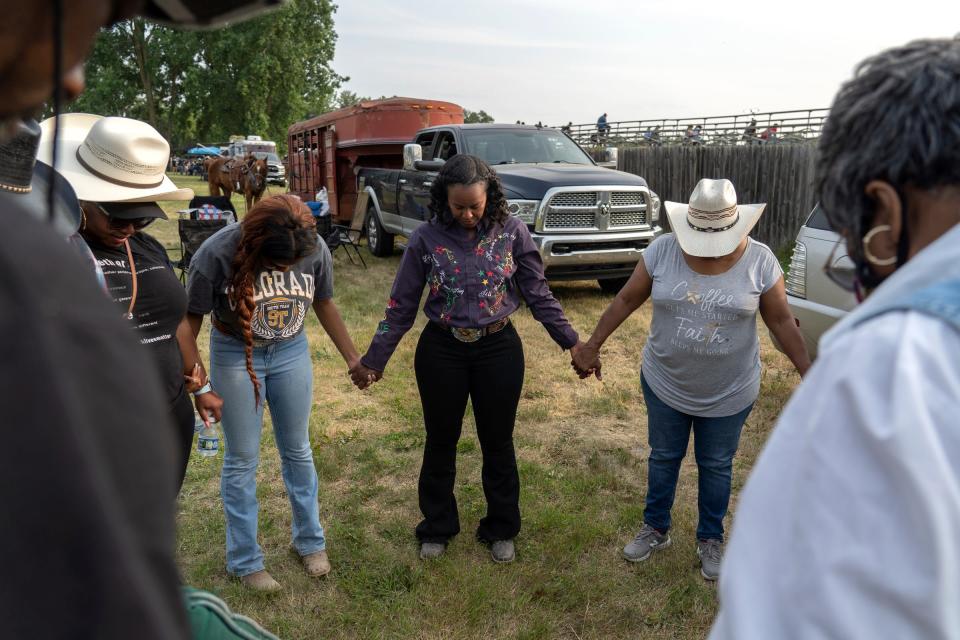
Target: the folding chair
(193, 229)
(220, 202)
(192, 235)
(347, 236)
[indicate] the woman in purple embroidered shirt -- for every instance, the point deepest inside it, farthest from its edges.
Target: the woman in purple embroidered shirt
(477, 261)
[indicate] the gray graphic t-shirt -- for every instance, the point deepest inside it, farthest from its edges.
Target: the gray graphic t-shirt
(702, 356)
(282, 298)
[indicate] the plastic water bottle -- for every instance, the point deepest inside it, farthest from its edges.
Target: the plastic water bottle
(208, 442)
(197, 422)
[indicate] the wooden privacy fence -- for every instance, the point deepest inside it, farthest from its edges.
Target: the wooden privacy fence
(780, 175)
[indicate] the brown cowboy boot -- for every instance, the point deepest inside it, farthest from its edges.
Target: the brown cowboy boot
(260, 581)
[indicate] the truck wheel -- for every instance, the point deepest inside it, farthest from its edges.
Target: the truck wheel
(612, 285)
(379, 241)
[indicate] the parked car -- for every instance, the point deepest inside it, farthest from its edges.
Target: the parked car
(588, 222)
(816, 302)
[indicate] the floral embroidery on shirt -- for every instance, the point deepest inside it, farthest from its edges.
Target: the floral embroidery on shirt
(384, 326)
(497, 252)
(442, 263)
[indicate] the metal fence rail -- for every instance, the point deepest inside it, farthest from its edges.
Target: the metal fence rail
(741, 129)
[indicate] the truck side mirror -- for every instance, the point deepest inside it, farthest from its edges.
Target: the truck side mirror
(429, 165)
(412, 154)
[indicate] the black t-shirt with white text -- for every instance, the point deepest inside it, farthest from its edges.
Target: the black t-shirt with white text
(88, 466)
(160, 306)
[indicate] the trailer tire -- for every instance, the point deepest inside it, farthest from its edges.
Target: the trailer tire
(379, 242)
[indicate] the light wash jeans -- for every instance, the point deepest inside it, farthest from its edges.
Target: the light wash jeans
(285, 373)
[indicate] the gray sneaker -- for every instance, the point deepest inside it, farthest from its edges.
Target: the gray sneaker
(431, 550)
(711, 553)
(503, 551)
(646, 542)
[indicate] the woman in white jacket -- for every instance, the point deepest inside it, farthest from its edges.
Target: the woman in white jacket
(849, 524)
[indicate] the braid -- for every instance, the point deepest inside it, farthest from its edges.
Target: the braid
(241, 294)
(281, 230)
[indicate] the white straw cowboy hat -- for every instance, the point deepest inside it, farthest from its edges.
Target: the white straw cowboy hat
(111, 159)
(712, 224)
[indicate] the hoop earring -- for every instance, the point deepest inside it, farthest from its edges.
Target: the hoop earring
(872, 259)
(83, 219)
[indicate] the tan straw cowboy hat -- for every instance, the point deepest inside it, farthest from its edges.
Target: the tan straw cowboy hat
(111, 159)
(712, 224)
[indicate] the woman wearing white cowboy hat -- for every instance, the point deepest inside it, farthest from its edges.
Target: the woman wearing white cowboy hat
(701, 362)
(117, 168)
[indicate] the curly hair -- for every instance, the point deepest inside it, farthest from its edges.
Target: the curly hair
(896, 120)
(466, 170)
(278, 230)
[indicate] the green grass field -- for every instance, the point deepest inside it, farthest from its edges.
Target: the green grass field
(582, 453)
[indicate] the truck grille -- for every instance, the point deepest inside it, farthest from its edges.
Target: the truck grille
(628, 218)
(569, 220)
(595, 210)
(626, 199)
(574, 199)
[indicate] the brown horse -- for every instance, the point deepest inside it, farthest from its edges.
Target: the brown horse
(253, 180)
(222, 175)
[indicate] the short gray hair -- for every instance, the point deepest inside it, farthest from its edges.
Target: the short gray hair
(897, 120)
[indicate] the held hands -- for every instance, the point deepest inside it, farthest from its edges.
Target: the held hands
(585, 360)
(362, 375)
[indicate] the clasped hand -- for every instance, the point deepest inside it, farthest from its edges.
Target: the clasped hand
(362, 375)
(585, 360)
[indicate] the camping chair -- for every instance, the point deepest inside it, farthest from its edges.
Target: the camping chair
(347, 236)
(192, 235)
(193, 230)
(220, 202)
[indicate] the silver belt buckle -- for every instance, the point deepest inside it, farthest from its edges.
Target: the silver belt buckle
(466, 334)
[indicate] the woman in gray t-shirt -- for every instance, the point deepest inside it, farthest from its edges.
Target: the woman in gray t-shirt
(701, 362)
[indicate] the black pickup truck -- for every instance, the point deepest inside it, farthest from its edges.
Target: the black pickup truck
(588, 222)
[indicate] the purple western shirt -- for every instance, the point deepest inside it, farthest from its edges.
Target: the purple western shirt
(473, 282)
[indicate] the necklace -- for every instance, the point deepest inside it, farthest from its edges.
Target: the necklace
(133, 276)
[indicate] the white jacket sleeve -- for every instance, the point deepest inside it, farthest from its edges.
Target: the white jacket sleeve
(849, 524)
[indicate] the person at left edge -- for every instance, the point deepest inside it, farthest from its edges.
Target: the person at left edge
(117, 204)
(477, 261)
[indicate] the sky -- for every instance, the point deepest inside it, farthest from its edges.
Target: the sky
(556, 61)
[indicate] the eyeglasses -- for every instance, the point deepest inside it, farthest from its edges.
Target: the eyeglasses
(844, 276)
(121, 223)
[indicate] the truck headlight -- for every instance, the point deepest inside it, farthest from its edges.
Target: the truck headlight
(526, 210)
(654, 207)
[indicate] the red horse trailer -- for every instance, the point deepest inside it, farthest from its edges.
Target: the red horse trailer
(327, 151)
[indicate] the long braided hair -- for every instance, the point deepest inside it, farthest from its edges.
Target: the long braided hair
(277, 231)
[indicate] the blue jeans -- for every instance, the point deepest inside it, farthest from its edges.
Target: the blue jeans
(715, 442)
(285, 373)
